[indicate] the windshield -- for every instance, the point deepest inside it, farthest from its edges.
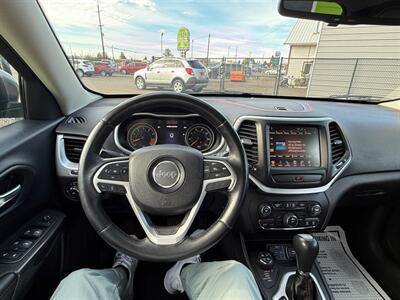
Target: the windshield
(223, 46)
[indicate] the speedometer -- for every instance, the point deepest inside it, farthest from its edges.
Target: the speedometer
(200, 137)
(141, 135)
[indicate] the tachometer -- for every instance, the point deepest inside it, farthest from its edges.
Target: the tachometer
(200, 137)
(141, 135)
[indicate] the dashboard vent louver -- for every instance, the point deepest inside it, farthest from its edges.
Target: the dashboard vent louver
(73, 148)
(248, 136)
(76, 120)
(338, 146)
(281, 108)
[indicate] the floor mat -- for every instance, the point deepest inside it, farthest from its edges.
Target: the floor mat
(346, 278)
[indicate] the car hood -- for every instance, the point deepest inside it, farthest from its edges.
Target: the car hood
(141, 72)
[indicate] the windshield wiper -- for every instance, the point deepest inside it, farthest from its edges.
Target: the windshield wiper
(366, 98)
(233, 93)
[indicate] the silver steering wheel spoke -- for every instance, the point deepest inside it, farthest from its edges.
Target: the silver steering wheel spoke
(167, 235)
(112, 176)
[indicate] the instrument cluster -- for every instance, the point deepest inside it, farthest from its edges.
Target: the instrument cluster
(143, 130)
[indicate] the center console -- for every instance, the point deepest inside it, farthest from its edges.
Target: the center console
(285, 269)
(292, 162)
(293, 155)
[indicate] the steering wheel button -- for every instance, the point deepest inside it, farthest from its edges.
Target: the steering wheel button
(215, 169)
(115, 171)
(226, 173)
(115, 177)
(218, 185)
(106, 170)
(104, 187)
(117, 189)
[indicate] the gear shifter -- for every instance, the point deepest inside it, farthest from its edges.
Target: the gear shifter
(301, 285)
(306, 248)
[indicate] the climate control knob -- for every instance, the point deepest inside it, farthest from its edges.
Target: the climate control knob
(315, 209)
(290, 220)
(264, 210)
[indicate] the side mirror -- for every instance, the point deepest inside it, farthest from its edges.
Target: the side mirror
(9, 95)
(8, 88)
(149, 68)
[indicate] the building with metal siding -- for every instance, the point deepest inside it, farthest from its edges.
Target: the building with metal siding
(346, 61)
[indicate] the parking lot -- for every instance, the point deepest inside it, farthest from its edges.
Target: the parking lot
(124, 84)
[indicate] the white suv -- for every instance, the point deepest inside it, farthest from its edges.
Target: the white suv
(83, 67)
(178, 73)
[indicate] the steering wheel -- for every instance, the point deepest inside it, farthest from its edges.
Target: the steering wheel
(164, 180)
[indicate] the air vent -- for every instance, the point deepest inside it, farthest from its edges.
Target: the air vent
(338, 146)
(280, 108)
(76, 120)
(248, 136)
(73, 148)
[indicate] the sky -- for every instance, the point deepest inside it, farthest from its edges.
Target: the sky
(253, 27)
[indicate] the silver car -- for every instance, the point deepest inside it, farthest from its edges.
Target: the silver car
(178, 73)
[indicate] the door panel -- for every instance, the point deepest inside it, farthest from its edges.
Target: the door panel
(27, 191)
(27, 155)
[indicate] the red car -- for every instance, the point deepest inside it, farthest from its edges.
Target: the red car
(103, 68)
(131, 68)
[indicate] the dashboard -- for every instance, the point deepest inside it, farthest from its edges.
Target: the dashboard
(147, 129)
(303, 156)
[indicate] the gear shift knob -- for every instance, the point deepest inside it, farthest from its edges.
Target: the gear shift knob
(306, 247)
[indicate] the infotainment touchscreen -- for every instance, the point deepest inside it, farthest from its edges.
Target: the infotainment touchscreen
(294, 147)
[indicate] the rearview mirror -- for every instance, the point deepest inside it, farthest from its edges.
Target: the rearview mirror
(382, 12)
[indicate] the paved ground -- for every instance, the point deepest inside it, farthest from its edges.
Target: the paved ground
(123, 84)
(7, 121)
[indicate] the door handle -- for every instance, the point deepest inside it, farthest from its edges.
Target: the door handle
(172, 71)
(158, 72)
(10, 195)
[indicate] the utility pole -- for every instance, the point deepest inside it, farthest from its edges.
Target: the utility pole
(112, 52)
(236, 54)
(192, 47)
(162, 34)
(101, 30)
(208, 47)
(229, 49)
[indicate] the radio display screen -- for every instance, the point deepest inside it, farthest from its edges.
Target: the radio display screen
(294, 147)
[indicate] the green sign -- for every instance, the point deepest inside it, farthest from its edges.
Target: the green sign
(275, 61)
(183, 39)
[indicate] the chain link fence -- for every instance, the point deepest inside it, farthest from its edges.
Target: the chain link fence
(352, 79)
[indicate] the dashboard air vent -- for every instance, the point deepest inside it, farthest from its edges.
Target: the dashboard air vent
(248, 136)
(73, 148)
(281, 108)
(338, 146)
(76, 120)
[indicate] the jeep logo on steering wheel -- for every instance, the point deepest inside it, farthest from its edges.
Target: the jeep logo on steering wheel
(166, 174)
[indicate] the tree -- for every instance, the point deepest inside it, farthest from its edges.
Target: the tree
(99, 55)
(168, 53)
(122, 56)
(246, 61)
